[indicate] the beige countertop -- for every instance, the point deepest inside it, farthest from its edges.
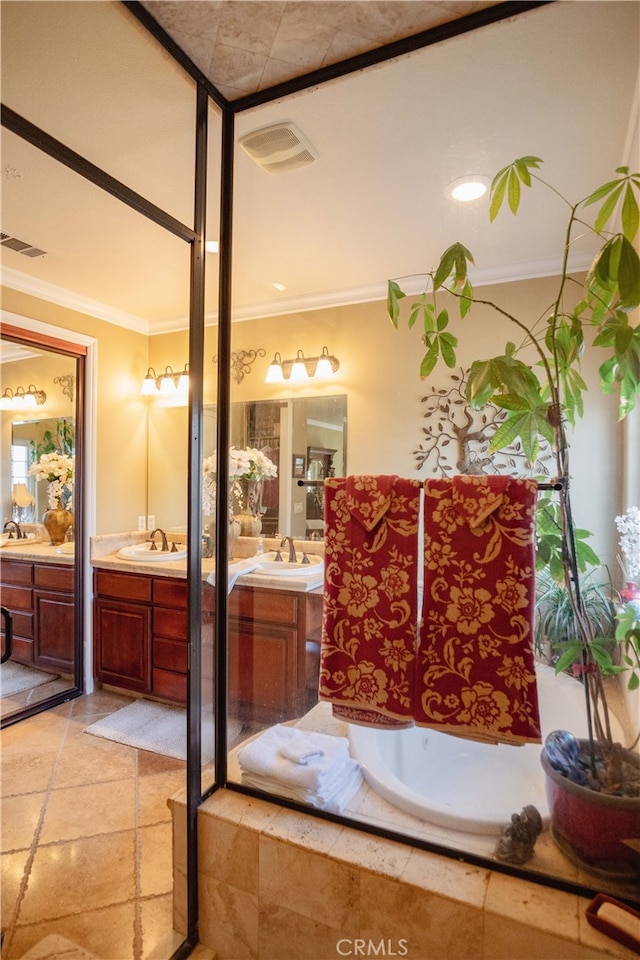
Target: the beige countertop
(38, 551)
(105, 556)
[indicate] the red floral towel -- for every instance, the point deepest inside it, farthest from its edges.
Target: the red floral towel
(475, 675)
(370, 614)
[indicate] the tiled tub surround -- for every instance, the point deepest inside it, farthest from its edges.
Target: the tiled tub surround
(276, 884)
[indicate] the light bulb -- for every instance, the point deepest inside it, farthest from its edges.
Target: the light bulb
(149, 386)
(298, 370)
(274, 371)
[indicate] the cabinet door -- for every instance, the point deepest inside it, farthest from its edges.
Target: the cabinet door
(262, 671)
(19, 603)
(54, 633)
(122, 637)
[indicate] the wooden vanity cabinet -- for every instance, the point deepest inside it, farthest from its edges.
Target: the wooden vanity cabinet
(268, 632)
(40, 598)
(141, 643)
(140, 633)
(122, 630)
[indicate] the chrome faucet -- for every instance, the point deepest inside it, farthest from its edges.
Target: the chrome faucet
(292, 549)
(165, 545)
(19, 535)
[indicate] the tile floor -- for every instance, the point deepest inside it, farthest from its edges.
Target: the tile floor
(86, 837)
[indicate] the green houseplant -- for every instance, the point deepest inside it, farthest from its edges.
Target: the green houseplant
(540, 399)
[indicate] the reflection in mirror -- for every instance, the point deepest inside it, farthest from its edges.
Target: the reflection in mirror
(38, 580)
(305, 437)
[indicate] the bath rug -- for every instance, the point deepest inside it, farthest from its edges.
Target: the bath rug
(157, 727)
(16, 678)
(370, 611)
(476, 676)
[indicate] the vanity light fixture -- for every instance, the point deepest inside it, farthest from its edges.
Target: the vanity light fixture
(168, 384)
(298, 369)
(302, 368)
(469, 188)
(22, 399)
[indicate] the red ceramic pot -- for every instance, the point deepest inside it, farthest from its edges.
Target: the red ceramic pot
(590, 827)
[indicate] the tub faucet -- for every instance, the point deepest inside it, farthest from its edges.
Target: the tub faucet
(165, 545)
(292, 549)
(19, 535)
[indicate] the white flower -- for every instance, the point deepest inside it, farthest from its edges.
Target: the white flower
(247, 464)
(629, 528)
(57, 469)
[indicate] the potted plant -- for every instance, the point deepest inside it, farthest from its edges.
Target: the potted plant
(540, 399)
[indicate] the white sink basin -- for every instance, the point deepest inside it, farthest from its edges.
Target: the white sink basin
(282, 568)
(68, 547)
(143, 553)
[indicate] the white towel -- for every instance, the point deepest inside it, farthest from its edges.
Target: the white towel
(328, 779)
(301, 753)
(236, 569)
(334, 800)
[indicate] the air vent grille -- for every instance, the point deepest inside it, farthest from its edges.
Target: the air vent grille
(279, 148)
(21, 246)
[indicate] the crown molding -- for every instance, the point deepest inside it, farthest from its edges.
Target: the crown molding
(43, 290)
(527, 270)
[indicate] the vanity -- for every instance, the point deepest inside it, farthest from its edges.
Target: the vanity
(140, 637)
(37, 587)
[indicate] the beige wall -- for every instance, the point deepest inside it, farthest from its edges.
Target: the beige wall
(121, 416)
(379, 372)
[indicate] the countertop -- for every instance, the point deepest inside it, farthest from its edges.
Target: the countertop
(39, 551)
(178, 569)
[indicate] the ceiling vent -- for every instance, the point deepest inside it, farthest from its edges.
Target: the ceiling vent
(279, 148)
(21, 246)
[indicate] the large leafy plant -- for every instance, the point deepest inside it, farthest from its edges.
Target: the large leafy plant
(541, 397)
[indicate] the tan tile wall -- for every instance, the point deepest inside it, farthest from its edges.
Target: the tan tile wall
(276, 884)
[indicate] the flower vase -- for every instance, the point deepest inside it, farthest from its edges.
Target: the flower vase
(56, 522)
(249, 515)
(234, 533)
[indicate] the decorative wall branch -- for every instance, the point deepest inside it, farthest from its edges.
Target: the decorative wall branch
(457, 437)
(241, 361)
(67, 382)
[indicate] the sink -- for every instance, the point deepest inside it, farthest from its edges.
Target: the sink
(144, 554)
(282, 568)
(68, 547)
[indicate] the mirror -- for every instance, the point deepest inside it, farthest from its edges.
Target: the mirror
(39, 591)
(306, 438)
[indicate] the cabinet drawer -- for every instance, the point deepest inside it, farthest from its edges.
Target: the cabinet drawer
(170, 655)
(53, 578)
(264, 605)
(16, 598)
(122, 586)
(172, 686)
(22, 625)
(16, 571)
(170, 623)
(170, 593)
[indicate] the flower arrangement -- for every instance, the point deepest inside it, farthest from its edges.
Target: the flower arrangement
(247, 464)
(57, 469)
(628, 525)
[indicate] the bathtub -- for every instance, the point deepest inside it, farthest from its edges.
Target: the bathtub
(460, 784)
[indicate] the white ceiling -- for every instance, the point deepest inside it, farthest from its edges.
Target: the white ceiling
(560, 82)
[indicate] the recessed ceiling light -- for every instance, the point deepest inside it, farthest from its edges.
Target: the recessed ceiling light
(279, 286)
(469, 188)
(212, 246)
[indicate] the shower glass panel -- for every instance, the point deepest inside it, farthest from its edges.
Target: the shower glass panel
(314, 254)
